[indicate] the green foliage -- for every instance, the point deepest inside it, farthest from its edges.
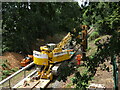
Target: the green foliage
(66, 69)
(6, 72)
(91, 57)
(3, 77)
(94, 35)
(14, 69)
(105, 17)
(4, 65)
(4, 48)
(24, 23)
(97, 40)
(88, 48)
(81, 81)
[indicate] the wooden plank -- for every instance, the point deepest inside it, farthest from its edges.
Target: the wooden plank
(18, 85)
(30, 84)
(22, 81)
(43, 83)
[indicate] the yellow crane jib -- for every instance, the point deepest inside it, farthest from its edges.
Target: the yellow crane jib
(65, 41)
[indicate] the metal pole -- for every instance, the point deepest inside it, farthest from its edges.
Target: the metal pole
(9, 84)
(24, 73)
(115, 73)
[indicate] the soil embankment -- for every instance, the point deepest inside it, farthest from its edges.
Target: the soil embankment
(12, 59)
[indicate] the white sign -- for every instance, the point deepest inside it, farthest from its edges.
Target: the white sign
(59, 54)
(40, 55)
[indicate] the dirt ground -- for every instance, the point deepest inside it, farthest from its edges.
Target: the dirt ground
(12, 58)
(103, 76)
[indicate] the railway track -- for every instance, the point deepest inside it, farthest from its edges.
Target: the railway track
(42, 83)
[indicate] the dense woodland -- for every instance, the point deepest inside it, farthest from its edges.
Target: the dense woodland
(23, 23)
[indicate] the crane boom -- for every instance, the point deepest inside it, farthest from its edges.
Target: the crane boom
(65, 41)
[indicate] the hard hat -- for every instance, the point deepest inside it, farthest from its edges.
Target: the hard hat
(78, 55)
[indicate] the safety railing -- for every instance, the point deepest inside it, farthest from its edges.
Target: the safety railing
(17, 76)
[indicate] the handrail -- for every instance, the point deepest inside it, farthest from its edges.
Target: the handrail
(25, 78)
(11, 76)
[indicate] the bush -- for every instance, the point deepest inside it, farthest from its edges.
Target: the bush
(81, 81)
(3, 77)
(88, 48)
(4, 65)
(97, 40)
(94, 35)
(66, 69)
(6, 72)
(14, 69)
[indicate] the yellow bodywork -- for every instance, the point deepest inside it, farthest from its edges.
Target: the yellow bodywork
(46, 74)
(40, 58)
(48, 54)
(60, 55)
(57, 55)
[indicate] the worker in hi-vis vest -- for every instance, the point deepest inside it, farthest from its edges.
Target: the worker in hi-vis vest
(78, 58)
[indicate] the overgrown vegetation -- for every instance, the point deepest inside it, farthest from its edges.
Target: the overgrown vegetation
(104, 24)
(6, 70)
(27, 22)
(6, 73)
(66, 69)
(106, 49)
(93, 36)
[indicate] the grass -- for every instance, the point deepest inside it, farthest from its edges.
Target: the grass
(69, 85)
(92, 49)
(17, 78)
(82, 69)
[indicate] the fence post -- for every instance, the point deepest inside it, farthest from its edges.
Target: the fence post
(115, 73)
(24, 73)
(9, 84)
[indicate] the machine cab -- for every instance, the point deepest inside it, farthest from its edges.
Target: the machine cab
(51, 46)
(42, 57)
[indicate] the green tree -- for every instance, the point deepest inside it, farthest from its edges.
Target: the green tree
(23, 23)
